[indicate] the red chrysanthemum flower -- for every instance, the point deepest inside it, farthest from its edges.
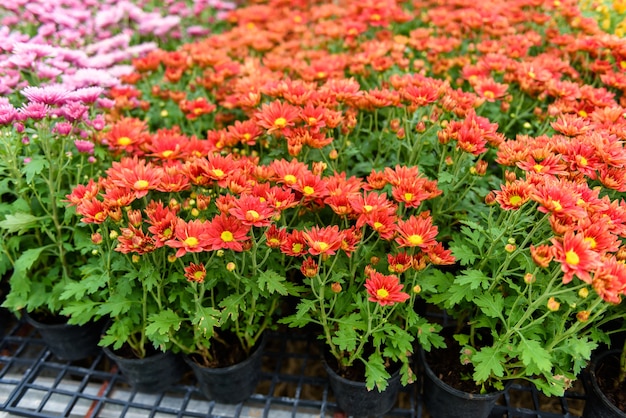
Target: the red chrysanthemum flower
(609, 280)
(512, 196)
(190, 237)
(385, 290)
(294, 244)
(325, 240)
(417, 232)
(277, 116)
(575, 256)
(92, 211)
(252, 211)
(227, 232)
(195, 272)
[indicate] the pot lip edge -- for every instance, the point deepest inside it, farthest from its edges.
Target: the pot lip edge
(257, 353)
(395, 376)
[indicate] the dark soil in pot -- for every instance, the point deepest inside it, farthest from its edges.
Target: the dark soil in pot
(606, 376)
(224, 353)
(446, 365)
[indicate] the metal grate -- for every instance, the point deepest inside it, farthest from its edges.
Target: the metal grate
(34, 383)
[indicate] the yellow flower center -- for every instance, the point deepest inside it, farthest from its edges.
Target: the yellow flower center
(308, 190)
(557, 206)
(489, 94)
(227, 236)
(296, 248)
(582, 161)
(377, 225)
(217, 172)
(515, 200)
(247, 136)
(198, 276)
(538, 168)
(290, 179)
(416, 239)
(408, 197)
(124, 141)
(367, 208)
(592, 242)
(191, 241)
(252, 215)
(280, 122)
(572, 258)
(382, 293)
(141, 185)
(321, 245)
(167, 153)
(274, 241)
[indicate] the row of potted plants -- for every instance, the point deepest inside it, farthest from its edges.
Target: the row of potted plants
(336, 169)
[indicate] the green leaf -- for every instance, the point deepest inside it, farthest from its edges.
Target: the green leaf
(81, 311)
(273, 282)
(232, 305)
(487, 363)
(490, 304)
(206, 319)
(532, 353)
(375, 373)
(473, 279)
(19, 222)
(345, 338)
(463, 254)
(163, 322)
(34, 167)
(27, 259)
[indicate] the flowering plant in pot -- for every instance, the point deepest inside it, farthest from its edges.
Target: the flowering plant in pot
(185, 264)
(47, 148)
(542, 271)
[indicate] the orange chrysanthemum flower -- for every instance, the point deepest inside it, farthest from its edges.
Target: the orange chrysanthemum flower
(325, 240)
(195, 272)
(512, 196)
(576, 257)
(277, 116)
(190, 237)
(227, 232)
(385, 290)
(417, 232)
(252, 211)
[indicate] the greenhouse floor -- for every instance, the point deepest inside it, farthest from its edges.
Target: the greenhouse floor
(33, 383)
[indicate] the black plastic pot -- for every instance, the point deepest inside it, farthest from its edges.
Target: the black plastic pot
(355, 400)
(232, 384)
(69, 342)
(444, 401)
(597, 405)
(152, 374)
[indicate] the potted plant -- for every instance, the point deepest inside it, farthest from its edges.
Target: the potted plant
(185, 263)
(46, 148)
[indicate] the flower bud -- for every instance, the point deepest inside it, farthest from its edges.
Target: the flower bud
(171, 258)
(509, 248)
(583, 293)
(583, 316)
(336, 287)
(231, 266)
(135, 258)
(417, 289)
(529, 278)
(333, 154)
(490, 199)
(449, 160)
(374, 260)
(96, 238)
(420, 127)
(220, 253)
(553, 305)
(394, 125)
(195, 212)
(401, 134)
(113, 234)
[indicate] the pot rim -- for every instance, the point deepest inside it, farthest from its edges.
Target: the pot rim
(257, 352)
(395, 376)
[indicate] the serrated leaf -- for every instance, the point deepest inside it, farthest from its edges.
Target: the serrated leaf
(473, 279)
(34, 167)
(464, 254)
(27, 259)
(273, 282)
(232, 305)
(345, 338)
(206, 319)
(487, 363)
(532, 353)
(491, 305)
(19, 222)
(375, 373)
(163, 322)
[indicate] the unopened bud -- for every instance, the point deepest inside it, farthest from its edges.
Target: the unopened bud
(96, 238)
(510, 247)
(583, 316)
(231, 266)
(333, 154)
(335, 287)
(171, 258)
(374, 260)
(529, 278)
(553, 305)
(113, 234)
(220, 253)
(135, 258)
(583, 293)
(417, 289)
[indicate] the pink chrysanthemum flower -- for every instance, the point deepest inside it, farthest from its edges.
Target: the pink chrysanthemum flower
(53, 94)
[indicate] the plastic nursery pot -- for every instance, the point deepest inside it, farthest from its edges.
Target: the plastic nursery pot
(354, 399)
(597, 405)
(232, 384)
(69, 342)
(152, 374)
(444, 401)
